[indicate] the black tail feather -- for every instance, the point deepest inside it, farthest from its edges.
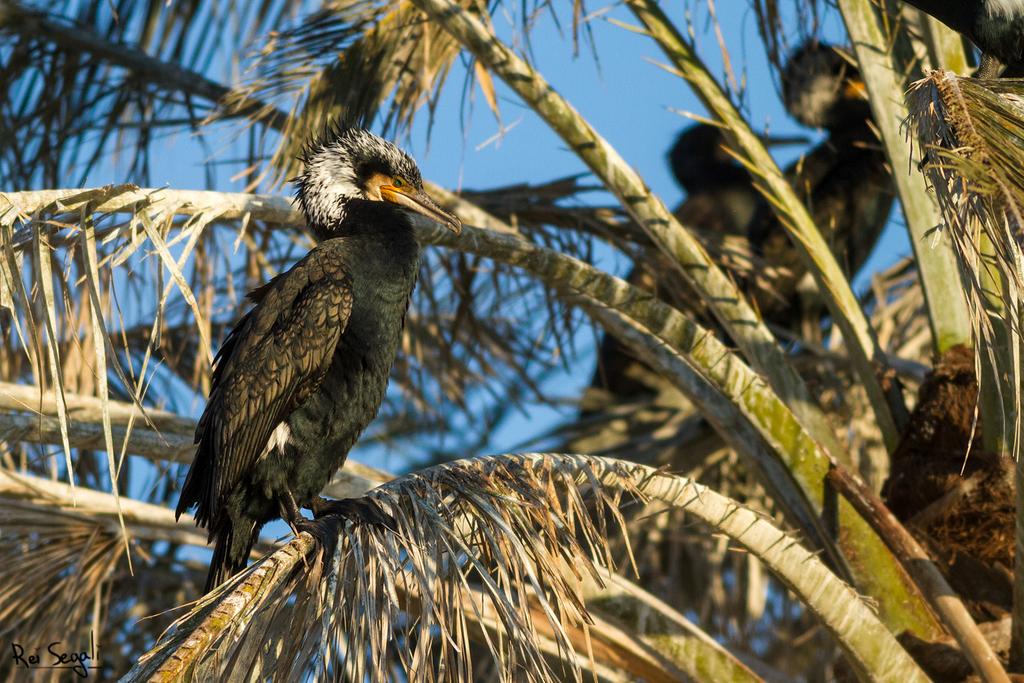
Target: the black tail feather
(198, 487)
(230, 555)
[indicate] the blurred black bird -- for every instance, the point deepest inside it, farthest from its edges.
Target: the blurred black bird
(719, 200)
(631, 409)
(719, 194)
(305, 370)
(844, 181)
(995, 26)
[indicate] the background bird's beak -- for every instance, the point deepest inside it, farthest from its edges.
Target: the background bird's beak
(420, 202)
(855, 89)
(783, 140)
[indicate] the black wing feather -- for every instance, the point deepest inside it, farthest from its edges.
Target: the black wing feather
(269, 364)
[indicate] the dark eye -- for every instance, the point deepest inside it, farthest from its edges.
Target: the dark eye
(398, 182)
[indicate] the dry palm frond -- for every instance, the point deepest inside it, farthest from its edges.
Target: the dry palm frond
(735, 399)
(773, 22)
(476, 537)
(466, 345)
(550, 212)
(469, 540)
(120, 78)
(27, 415)
(346, 61)
(53, 566)
(143, 520)
(137, 604)
(973, 132)
(61, 575)
(47, 429)
(360, 61)
(97, 269)
(974, 147)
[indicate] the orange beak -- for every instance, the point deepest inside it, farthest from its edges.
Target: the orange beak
(421, 203)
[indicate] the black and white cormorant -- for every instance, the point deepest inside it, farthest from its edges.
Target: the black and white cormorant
(995, 26)
(305, 370)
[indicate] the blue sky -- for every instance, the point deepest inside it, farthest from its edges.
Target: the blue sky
(629, 99)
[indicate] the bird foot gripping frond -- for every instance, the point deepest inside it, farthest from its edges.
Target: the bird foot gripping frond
(363, 510)
(324, 530)
(329, 517)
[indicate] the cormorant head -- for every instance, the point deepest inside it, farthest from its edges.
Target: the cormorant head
(821, 89)
(699, 159)
(349, 164)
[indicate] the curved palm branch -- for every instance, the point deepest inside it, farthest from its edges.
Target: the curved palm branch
(479, 532)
